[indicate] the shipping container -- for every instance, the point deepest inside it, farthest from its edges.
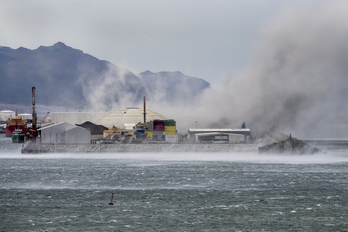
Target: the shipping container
(158, 133)
(149, 134)
(158, 137)
(170, 133)
(170, 122)
(170, 129)
(158, 125)
(172, 139)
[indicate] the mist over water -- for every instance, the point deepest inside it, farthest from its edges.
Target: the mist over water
(173, 191)
(190, 157)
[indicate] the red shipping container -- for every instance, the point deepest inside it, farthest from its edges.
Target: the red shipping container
(158, 126)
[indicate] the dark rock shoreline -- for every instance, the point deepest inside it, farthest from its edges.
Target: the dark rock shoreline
(279, 143)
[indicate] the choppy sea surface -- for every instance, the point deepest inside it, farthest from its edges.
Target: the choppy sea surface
(174, 192)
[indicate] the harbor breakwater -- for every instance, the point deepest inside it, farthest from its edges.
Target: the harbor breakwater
(272, 142)
(111, 148)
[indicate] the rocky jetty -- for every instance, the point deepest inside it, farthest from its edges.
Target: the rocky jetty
(276, 143)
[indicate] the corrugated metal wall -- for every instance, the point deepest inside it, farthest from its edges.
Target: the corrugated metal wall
(65, 133)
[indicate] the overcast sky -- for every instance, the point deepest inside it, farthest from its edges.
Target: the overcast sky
(201, 38)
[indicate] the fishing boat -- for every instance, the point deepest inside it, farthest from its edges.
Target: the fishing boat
(18, 136)
(14, 124)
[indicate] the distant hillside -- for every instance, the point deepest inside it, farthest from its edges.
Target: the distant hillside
(64, 76)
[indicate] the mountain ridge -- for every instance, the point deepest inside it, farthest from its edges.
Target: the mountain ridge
(66, 76)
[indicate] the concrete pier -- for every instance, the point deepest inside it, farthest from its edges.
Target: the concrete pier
(85, 148)
(272, 142)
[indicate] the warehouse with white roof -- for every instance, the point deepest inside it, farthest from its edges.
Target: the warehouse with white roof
(64, 133)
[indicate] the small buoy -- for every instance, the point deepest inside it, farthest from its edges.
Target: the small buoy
(112, 197)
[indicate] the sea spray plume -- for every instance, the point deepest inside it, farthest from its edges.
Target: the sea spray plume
(173, 88)
(118, 88)
(165, 91)
(113, 89)
(297, 79)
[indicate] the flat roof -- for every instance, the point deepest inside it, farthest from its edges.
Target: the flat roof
(216, 133)
(216, 130)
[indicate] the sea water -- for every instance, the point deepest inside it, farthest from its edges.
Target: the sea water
(174, 191)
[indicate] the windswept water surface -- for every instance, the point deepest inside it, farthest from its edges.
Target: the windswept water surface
(174, 192)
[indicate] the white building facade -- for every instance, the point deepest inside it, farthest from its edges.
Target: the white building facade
(6, 115)
(64, 133)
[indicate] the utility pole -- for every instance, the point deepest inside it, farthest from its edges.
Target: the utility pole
(34, 113)
(144, 110)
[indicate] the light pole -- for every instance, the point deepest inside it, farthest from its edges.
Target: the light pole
(196, 124)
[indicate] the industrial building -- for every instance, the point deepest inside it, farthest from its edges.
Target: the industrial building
(6, 114)
(75, 117)
(225, 135)
(216, 137)
(97, 131)
(26, 116)
(64, 133)
(123, 119)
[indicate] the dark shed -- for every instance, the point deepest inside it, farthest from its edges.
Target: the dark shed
(93, 128)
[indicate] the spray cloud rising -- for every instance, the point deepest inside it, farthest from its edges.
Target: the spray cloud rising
(296, 81)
